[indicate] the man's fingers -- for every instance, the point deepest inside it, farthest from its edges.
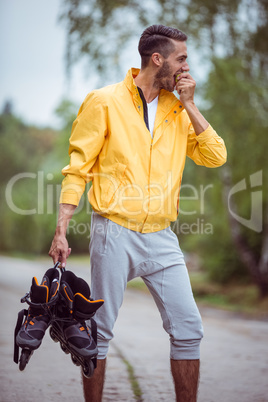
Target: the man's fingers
(186, 82)
(63, 259)
(59, 250)
(54, 255)
(63, 256)
(185, 74)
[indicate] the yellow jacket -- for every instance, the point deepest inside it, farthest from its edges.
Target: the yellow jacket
(135, 179)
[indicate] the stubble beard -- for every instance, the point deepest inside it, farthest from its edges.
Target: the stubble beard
(164, 78)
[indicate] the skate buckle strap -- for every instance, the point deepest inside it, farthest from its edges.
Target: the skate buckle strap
(26, 299)
(21, 314)
(95, 337)
(58, 265)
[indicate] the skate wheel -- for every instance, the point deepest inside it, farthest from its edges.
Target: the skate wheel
(75, 360)
(88, 370)
(53, 335)
(65, 350)
(24, 358)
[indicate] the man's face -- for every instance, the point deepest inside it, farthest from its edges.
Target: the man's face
(175, 63)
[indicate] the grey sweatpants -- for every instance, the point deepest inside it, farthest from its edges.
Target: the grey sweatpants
(118, 255)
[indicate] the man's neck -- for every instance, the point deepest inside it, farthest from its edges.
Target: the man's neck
(145, 81)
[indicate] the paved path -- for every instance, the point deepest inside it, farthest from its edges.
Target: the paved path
(234, 364)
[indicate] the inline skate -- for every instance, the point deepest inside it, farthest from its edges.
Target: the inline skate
(69, 327)
(41, 300)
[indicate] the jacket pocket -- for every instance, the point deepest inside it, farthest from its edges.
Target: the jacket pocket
(114, 181)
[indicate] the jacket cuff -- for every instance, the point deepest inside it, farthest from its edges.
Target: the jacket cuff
(70, 197)
(208, 134)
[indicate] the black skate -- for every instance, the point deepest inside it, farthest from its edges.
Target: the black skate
(41, 298)
(69, 326)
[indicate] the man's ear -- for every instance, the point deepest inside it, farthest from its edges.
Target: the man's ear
(157, 59)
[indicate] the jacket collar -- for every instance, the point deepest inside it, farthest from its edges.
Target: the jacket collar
(168, 107)
(167, 100)
(129, 79)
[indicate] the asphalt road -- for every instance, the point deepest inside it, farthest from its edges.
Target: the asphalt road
(234, 352)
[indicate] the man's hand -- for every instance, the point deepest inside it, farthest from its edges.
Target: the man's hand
(185, 87)
(59, 250)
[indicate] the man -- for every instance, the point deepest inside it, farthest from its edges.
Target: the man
(131, 139)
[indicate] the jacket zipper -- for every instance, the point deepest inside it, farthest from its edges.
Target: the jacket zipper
(149, 181)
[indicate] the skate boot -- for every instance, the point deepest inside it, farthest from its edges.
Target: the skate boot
(41, 299)
(69, 326)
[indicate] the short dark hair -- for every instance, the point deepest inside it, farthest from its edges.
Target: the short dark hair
(156, 38)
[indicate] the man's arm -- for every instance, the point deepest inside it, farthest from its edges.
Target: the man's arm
(204, 146)
(186, 87)
(87, 138)
(59, 250)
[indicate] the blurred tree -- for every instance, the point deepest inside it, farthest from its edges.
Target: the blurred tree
(236, 113)
(100, 30)
(30, 184)
(66, 112)
(8, 107)
(233, 37)
(23, 150)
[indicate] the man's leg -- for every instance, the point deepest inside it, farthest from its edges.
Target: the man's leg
(109, 273)
(185, 375)
(93, 387)
(172, 292)
(182, 322)
(185, 330)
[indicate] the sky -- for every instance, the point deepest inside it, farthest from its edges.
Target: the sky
(32, 46)
(32, 58)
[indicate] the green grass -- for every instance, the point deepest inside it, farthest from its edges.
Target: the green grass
(131, 376)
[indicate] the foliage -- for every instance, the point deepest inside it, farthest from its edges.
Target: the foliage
(101, 31)
(30, 177)
(24, 150)
(238, 98)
